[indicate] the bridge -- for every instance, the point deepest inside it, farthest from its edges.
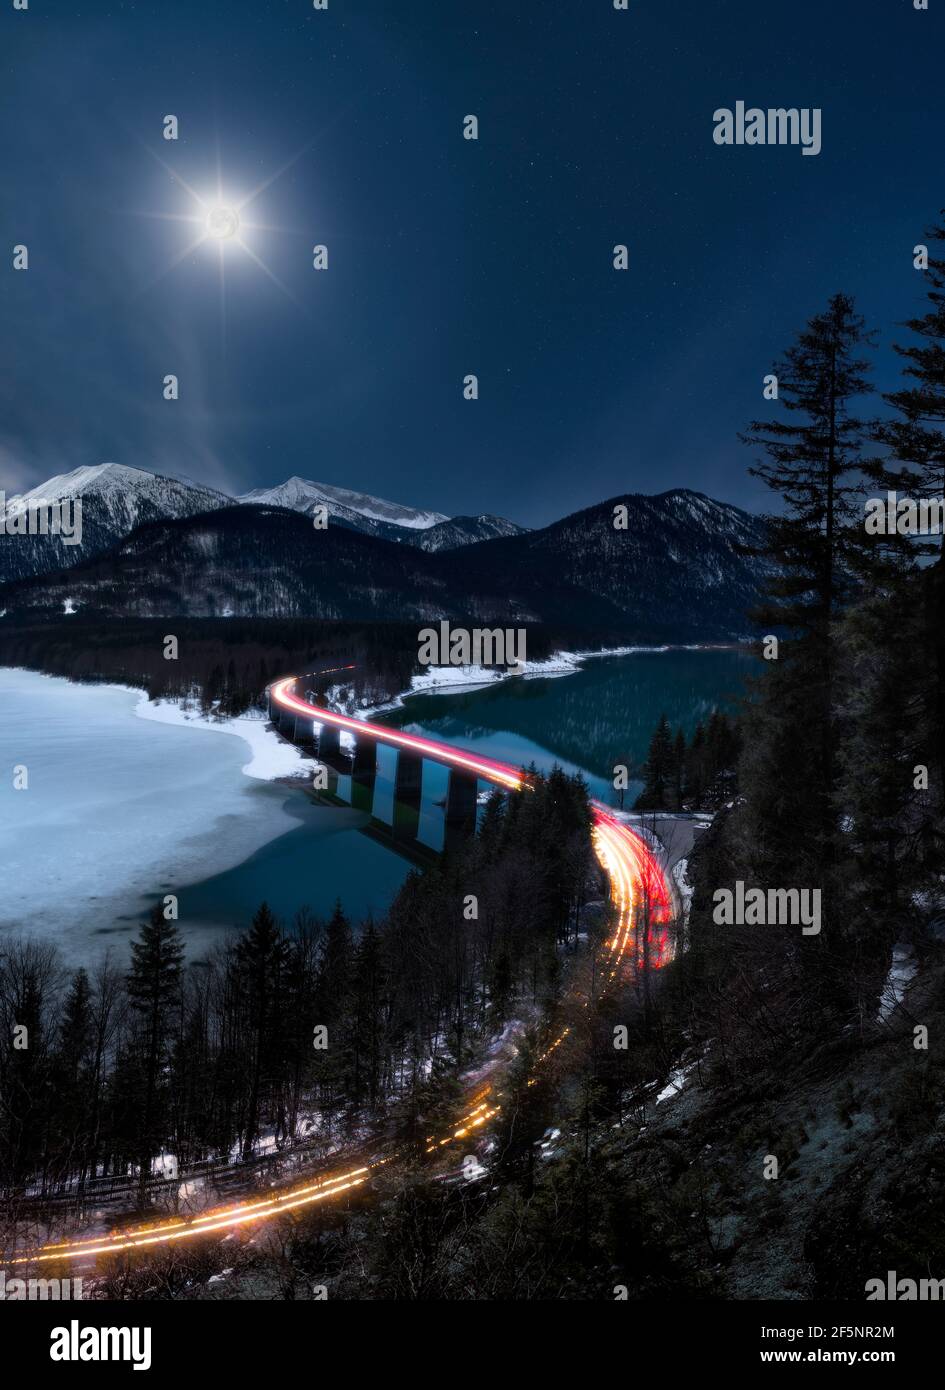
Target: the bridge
(352, 750)
(422, 796)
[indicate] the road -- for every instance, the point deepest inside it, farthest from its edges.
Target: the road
(643, 901)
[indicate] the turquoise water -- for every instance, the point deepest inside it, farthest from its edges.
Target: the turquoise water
(587, 722)
(322, 860)
(120, 810)
(602, 715)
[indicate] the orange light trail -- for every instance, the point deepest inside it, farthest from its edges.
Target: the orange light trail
(221, 1219)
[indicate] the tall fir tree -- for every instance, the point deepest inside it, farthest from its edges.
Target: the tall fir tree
(811, 462)
(679, 769)
(154, 983)
(263, 954)
(658, 770)
(914, 465)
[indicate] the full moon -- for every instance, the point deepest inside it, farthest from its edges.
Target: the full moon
(223, 223)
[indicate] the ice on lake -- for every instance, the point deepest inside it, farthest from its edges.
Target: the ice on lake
(120, 810)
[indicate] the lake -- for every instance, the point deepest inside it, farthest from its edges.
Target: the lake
(120, 810)
(587, 722)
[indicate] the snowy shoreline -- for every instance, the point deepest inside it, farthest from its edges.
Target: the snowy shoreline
(273, 758)
(444, 679)
(120, 810)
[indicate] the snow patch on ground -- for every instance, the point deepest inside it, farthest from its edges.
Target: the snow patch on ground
(558, 664)
(901, 972)
(683, 886)
(638, 822)
(501, 1046)
(624, 651)
(474, 676)
(271, 756)
(677, 1081)
(548, 1145)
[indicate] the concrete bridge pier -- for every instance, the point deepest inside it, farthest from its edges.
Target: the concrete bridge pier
(329, 745)
(364, 773)
(408, 790)
(304, 734)
(337, 760)
(461, 806)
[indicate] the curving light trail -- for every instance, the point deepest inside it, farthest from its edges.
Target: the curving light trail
(500, 773)
(643, 902)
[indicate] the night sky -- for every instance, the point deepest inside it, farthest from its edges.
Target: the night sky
(446, 256)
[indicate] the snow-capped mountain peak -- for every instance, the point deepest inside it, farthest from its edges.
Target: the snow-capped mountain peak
(115, 499)
(118, 483)
(302, 494)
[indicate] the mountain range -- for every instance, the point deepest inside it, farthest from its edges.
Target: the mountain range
(680, 571)
(116, 499)
(377, 517)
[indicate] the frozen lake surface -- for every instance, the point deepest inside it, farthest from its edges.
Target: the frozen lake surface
(120, 810)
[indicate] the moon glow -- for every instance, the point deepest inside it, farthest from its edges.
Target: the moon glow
(222, 223)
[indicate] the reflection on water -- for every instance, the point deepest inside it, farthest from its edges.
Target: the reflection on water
(431, 830)
(121, 811)
(323, 859)
(603, 715)
(588, 722)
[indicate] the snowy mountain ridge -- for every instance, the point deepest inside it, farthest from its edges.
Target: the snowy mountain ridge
(125, 489)
(302, 495)
(685, 569)
(116, 498)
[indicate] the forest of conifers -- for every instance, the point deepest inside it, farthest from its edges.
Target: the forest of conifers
(306, 1028)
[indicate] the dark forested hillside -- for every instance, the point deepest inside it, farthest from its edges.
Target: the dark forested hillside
(226, 659)
(679, 566)
(203, 1059)
(676, 573)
